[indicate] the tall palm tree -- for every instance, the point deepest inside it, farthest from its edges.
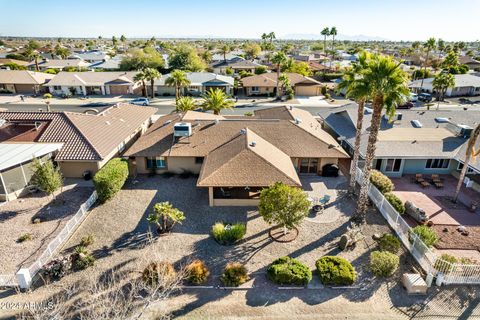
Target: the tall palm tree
(279, 59)
(468, 155)
(333, 33)
(152, 74)
(142, 77)
(441, 83)
(387, 86)
(429, 46)
(271, 36)
(325, 33)
(224, 50)
(178, 78)
(359, 91)
(185, 104)
(34, 55)
(216, 100)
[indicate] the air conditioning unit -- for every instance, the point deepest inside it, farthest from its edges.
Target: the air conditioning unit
(460, 130)
(182, 129)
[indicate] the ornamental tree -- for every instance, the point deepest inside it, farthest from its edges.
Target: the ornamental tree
(165, 216)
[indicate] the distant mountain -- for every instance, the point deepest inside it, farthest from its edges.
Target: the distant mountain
(312, 36)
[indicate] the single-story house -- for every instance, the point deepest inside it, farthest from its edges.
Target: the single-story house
(236, 157)
(4, 62)
(231, 57)
(426, 142)
(86, 141)
(465, 85)
(470, 62)
(200, 82)
(266, 84)
(95, 83)
(59, 64)
(23, 81)
(90, 57)
(109, 65)
(236, 66)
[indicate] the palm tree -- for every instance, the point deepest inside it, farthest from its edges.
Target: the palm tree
(185, 104)
(216, 100)
(151, 74)
(178, 78)
(333, 33)
(279, 59)
(387, 87)
(141, 76)
(468, 155)
(33, 55)
(271, 36)
(285, 82)
(359, 91)
(429, 46)
(441, 83)
(224, 50)
(325, 33)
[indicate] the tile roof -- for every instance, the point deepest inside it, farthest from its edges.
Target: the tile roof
(461, 80)
(92, 78)
(270, 80)
(85, 136)
(247, 160)
(24, 77)
(199, 78)
(62, 63)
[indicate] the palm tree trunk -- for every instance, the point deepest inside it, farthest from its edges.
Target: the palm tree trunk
(278, 80)
(153, 90)
(362, 204)
(36, 64)
(471, 144)
(424, 69)
(177, 92)
(356, 152)
(144, 88)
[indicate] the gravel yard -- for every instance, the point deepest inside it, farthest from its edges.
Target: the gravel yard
(16, 219)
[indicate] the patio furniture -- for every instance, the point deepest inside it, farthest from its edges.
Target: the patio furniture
(438, 184)
(424, 184)
(225, 193)
(416, 213)
(419, 178)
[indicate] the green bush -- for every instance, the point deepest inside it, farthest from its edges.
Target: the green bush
(110, 179)
(197, 272)
(51, 71)
(25, 237)
(426, 234)
(159, 274)
(328, 76)
(396, 202)
(87, 240)
(286, 270)
(82, 258)
(234, 274)
(261, 70)
(227, 234)
(444, 267)
(388, 242)
(383, 263)
(381, 181)
(335, 271)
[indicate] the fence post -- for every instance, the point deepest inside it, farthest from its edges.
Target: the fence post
(24, 278)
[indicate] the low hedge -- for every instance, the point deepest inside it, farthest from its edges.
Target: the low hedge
(396, 202)
(197, 272)
(335, 271)
(383, 263)
(286, 270)
(110, 179)
(381, 181)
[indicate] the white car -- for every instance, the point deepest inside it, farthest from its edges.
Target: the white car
(413, 97)
(140, 102)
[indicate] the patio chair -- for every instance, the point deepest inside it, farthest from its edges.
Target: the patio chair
(225, 193)
(419, 178)
(323, 201)
(436, 178)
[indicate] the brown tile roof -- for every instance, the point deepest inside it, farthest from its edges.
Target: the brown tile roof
(24, 77)
(247, 160)
(209, 135)
(86, 137)
(92, 78)
(270, 80)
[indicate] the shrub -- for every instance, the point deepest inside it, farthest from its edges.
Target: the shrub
(47, 96)
(57, 268)
(165, 216)
(323, 90)
(248, 114)
(227, 234)
(426, 234)
(82, 258)
(286, 270)
(381, 181)
(87, 240)
(388, 242)
(261, 70)
(395, 201)
(51, 71)
(46, 177)
(228, 71)
(25, 237)
(383, 263)
(234, 274)
(335, 271)
(110, 179)
(197, 272)
(157, 273)
(441, 264)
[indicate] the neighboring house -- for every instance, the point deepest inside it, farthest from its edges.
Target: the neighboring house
(23, 81)
(236, 157)
(266, 84)
(94, 83)
(465, 85)
(59, 64)
(316, 66)
(5, 61)
(470, 62)
(112, 64)
(236, 66)
(231, 57)
(91, 57)
(200, 82)
(79, 143)
(426, 142)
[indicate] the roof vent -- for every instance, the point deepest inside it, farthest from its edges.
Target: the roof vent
(291, 107)
(417, 124)
(442, 120)
(243, 131)
(253, 144)
(298, 120)
(368, 110)
(460, 130)
(107, 122)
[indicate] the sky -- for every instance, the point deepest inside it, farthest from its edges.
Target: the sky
(451, 20)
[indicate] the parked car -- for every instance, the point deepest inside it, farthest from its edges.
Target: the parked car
(425, 97)
(97, 104)
(407, 105)
(140, 102)
(330, 170)
(413, 97)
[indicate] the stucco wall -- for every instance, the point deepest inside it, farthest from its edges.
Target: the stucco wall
(261, 91)
(174, 164)
(75, 169)
(414, 166)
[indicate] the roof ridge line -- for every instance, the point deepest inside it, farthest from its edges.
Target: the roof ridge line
(81, 134)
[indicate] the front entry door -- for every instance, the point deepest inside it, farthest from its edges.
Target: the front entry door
(308, 165)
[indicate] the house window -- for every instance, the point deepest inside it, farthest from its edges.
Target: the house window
(198, 160)
(57, 88)
(469, 170)
(156, 163)
(437, 164)
(255, 89)
(393, 165)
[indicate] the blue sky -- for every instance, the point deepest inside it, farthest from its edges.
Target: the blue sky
(392, 19)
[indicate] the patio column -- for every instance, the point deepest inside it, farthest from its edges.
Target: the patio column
(103, 90)
(210, 196)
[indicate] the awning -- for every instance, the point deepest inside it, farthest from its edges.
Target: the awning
(12, 154)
